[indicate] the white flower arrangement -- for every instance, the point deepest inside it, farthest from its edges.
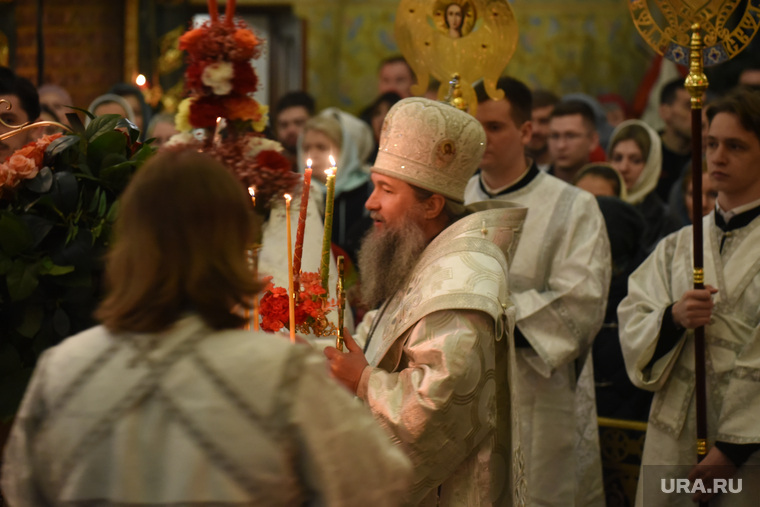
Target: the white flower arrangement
(218, 76)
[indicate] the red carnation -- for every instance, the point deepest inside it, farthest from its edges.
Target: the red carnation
(193, 76)
(241, 107)
(204, 112)
(244, 80)
(189, 40)
(273, 160)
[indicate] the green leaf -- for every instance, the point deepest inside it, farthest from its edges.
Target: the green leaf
(131, 128)
(117, 176)
(73, 231)
(31, 321)
(22, 280)
(107, 146)
(60, 145)
(42, 182)
(95, 200)
(101, 125)
(102, 205)
(14, 234)
(96, 231)
(113, 212)
(38, 227)
(143, 154)
(48, 267)
(65, 191)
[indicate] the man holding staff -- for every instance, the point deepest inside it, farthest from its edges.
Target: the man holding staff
(661, 310)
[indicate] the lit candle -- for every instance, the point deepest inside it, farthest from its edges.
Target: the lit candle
(141, 81)
(324, 267)
(213, 10)
(302, 220)
(252, 192)
(217, 130)
(291, 294)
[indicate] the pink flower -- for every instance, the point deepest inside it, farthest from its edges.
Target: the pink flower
(7, 177)
(24, 167)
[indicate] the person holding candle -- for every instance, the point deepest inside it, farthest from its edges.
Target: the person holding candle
(431, 361)
(169, 402)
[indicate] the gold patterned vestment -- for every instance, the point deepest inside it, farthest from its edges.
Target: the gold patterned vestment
(438, 379)
(559, 280)
(732, 352)
(194, 417)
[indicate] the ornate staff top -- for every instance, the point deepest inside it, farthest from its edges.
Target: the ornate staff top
(473, 39)
(17, 129)
(666, 26)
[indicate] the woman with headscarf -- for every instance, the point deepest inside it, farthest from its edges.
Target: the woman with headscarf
(349, 140)
(636, 153)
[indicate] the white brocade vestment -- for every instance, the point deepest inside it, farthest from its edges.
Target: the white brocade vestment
(194, 417)
(439, 371)
(559, 280)
(732, 352)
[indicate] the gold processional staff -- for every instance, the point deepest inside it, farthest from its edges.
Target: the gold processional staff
(696, 33)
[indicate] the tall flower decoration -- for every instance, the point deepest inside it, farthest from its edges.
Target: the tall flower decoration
(219, 81)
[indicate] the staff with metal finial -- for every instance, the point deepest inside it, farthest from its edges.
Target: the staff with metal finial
(341, 294)
(696, 84)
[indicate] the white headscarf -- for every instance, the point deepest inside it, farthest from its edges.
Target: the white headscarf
(357, 146)
(650, 176)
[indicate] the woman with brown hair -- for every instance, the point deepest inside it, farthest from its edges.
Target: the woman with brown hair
(167, 403)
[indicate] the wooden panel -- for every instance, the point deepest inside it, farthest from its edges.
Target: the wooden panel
(84, 45)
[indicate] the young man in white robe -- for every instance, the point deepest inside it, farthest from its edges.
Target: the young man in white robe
(560, 277)
(432, 364)
(661, 310)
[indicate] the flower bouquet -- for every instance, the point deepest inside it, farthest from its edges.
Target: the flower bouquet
(311, 307)
(58, 202)
(221, 118)
(219, 80)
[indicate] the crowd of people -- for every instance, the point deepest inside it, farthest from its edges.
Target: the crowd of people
(519, 273)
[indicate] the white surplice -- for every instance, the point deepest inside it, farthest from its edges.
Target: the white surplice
(439, 370)
(732, 348)
(194, 417)
(559, 280)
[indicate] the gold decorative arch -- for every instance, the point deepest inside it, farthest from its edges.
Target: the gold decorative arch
(488, 41)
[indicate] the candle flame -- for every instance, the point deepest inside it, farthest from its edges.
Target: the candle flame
(332, 161)
(218, 120)
(140, 80)
(287, 198)
(252, 191)
(308, 163)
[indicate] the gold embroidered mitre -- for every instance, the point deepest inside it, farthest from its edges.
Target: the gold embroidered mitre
(431, 145)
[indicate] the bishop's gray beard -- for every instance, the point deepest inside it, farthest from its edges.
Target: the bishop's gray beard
(386, 259)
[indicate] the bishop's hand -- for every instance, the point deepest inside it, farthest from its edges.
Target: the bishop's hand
(347, 367)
